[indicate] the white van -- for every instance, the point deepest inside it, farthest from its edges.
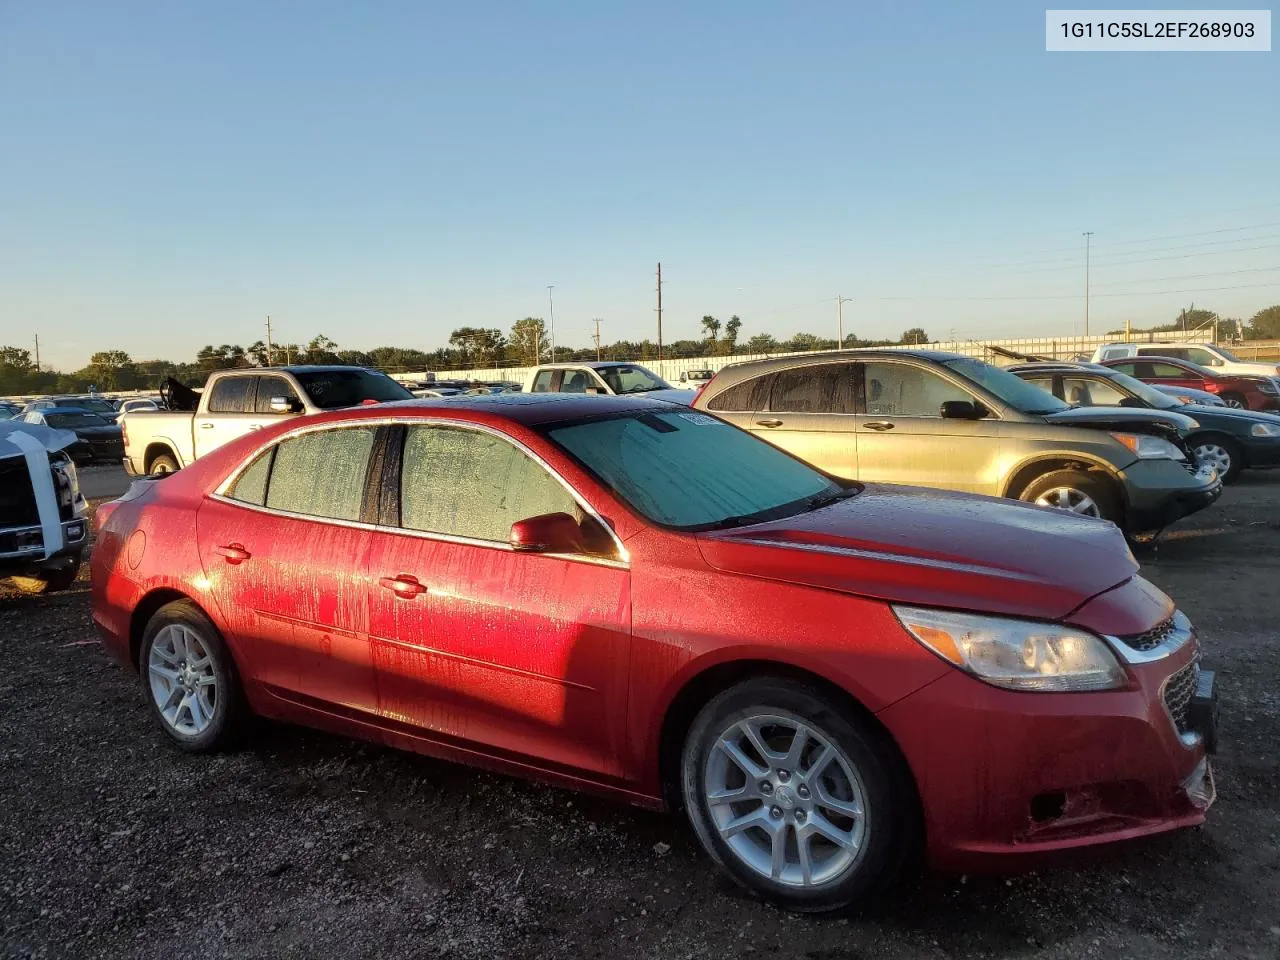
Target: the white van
(1216, 358)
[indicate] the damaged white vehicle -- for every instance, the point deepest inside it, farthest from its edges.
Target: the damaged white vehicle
(44, 527)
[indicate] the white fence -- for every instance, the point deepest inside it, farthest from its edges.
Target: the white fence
(1060, 348)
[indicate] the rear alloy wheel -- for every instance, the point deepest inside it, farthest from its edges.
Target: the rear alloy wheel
(800, 802)
(163, 464)
(1223, 454)
(1234, 400)
(190, 679)
(1075, 492)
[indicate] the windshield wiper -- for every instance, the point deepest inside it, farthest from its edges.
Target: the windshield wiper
(826, 499)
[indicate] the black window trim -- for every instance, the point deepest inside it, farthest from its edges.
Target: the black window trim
(388, 462)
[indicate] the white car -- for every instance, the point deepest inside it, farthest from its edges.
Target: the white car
(1216, 358)
(136, 405)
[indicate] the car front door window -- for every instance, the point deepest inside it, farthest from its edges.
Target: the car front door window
(904, 390)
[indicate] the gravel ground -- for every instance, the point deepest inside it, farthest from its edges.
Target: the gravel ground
(112, 844)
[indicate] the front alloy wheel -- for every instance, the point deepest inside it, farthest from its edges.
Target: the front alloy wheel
(799, 798)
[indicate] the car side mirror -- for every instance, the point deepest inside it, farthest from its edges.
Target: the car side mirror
(962, 410)
(284, 405)
(547, 533)
(1132, 402)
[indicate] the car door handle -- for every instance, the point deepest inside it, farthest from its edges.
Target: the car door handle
(768, 423)
(255, 426)
(233, 552)
(206, 426)
(403, 586)
(881, 425)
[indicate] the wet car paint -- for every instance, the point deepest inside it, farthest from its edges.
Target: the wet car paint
(574, 671)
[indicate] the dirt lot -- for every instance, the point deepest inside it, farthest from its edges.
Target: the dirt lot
(112, 844)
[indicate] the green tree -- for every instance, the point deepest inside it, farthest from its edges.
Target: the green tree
(226, 357)
(731, 328)
(111, 370)
(710, 328)
(1192, 319)
(762, 343)
(803, 341)
(16, 370)
(320, 350)
(914, 335)
(1265, 324)
(528, 343)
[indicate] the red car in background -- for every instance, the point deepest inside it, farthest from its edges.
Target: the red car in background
(1235, 390)
(642, 600)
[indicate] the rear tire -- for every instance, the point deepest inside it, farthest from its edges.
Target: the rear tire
(820, 825)
(190, 680)
(1078, 492)
(49, 581)
(163, 464)
(1223, 452)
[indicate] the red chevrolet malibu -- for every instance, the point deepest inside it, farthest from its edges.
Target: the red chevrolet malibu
(635, 598)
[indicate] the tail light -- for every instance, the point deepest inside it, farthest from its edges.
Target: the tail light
(124, 429)
(103, 513)
(698, 393)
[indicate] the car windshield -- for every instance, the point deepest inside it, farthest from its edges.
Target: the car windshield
(329, 389)
(65, 421)
(1010, 388)
(89, 403)
(692, 472)
(631, 379)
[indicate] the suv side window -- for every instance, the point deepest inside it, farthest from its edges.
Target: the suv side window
(1202, 356)
(745, 397)
(1090, 392)
(1177, 353)
(1167, 371)
(468, 483)
(905, 390)
(321, 474)
(269, 387)
(818, 388)
(542, 383)
(1111, 353)
(232, 395)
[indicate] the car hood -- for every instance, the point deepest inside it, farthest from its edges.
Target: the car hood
(935, 548)
(1123, 418)
(104, 432)
(1205, 414)
(51, 439)
(1245, 369)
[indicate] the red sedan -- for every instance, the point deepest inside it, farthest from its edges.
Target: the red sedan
(635, 598)
(1236, 390)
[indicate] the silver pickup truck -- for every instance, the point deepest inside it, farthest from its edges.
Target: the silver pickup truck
(235, 402)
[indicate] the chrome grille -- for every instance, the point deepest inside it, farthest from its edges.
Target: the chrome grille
(1152, 638)
(1178, 691)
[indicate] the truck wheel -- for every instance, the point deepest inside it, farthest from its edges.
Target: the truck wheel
(1076, 492)
(49, 581)
(163, 464)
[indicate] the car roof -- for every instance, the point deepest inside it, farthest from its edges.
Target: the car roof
(61, 410)
(589, 364)
(1043, 366)
(536, 408)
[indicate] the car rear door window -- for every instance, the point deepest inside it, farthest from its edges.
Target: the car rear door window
(745, 397)
(905, 390)
(1202, 356)
(816, 388)
(232, 395)
(1167, 371)
(322, 474)
(469, 483)
(251, 486)
(1044, 382)
(1088, 392)
(271, 387)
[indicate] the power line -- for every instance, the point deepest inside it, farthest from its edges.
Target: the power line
(1072, 296)
(1075, 264)
(1191, 276)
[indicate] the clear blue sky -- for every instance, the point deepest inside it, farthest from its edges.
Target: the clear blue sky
(386, 172)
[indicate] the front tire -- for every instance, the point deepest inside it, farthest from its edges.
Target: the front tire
(1223, 452)
(1075, 491)
(190, 680)
(50, 581)
(798, 800)
(1235, 401)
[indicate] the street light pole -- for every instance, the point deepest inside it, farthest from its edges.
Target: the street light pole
(840, 302)
(551, 304)
(1088, 237)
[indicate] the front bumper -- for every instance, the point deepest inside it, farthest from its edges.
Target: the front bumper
(1007, 778)
(22, 549)
(1261, 451)
(1162, 492)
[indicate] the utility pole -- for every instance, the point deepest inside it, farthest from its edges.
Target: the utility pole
(551, 304)
(840, 302)
(268, 339)
(596, 338)
(659, 310)
(37, 353)
(1088, 237)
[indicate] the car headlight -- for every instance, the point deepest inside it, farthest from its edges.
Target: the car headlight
(1146, 447)
(1016, 654)
(1265, 430)
(1185, 399)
